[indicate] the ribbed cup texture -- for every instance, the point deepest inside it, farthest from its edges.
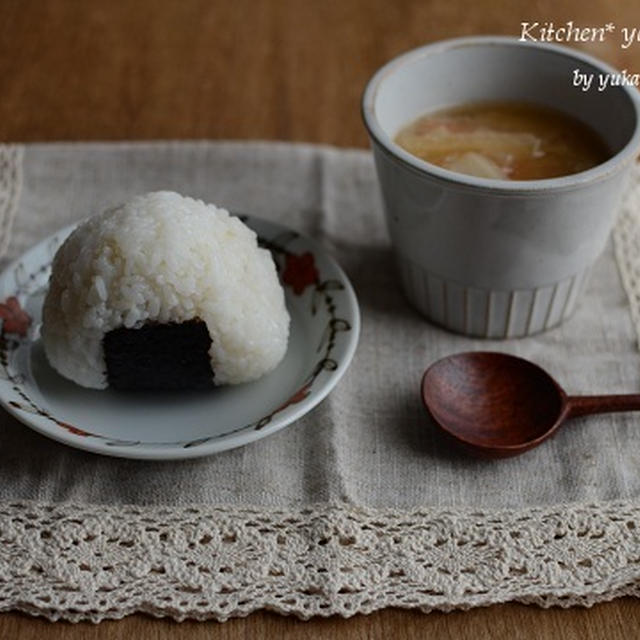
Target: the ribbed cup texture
(489, 313)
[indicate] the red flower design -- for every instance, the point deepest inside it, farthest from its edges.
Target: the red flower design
(298, 396)
(16, 320)
(71, 429)
(300, 271)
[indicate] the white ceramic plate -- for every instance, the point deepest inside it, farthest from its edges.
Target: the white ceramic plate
(325, 323)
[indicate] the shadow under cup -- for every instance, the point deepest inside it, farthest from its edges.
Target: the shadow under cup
(497, 258)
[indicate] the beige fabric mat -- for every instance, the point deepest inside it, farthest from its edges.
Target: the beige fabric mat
(360, 504)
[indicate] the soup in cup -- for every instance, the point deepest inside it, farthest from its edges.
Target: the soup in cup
(487, 255)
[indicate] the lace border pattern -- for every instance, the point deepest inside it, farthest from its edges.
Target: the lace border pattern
(10, 187)
(93, 563)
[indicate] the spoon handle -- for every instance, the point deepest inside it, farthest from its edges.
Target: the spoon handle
(585, 405)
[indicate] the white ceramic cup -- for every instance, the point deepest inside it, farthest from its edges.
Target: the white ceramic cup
(496, 258)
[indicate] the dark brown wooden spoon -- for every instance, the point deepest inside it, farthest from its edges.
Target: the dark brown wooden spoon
(499, 405)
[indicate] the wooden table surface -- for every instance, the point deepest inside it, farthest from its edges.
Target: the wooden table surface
(278, 69)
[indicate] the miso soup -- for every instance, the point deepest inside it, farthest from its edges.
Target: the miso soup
(505, 141)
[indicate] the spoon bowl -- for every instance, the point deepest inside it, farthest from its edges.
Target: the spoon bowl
(499, 405)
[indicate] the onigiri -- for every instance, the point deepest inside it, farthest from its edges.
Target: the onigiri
(163, 292)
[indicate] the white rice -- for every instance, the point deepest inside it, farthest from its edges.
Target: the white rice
(165, 258)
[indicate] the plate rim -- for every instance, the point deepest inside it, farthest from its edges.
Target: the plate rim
(212, 444)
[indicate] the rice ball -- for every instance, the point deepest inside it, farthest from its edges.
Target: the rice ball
(163, 292)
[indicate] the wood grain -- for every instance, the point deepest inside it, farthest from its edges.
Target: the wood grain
(522, 405)
(280, 69)
(616, 620)
(277, 69)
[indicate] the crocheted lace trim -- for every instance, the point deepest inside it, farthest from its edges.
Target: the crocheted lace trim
(10, 187)
(86, 562)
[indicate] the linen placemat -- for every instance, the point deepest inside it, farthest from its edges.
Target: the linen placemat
(359, 505)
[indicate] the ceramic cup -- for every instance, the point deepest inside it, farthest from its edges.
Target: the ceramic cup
(496, 258)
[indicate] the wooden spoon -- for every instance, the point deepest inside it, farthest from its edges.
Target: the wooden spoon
(499, 405)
